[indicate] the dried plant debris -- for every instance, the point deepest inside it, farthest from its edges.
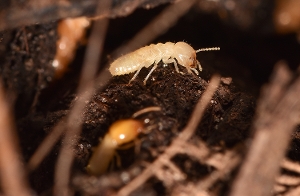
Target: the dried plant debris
(288, 182)
(277, 115)
(13, 14)
(248, 15)
(12, 173)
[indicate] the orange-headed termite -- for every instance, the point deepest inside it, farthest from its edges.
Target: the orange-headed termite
(120, 133)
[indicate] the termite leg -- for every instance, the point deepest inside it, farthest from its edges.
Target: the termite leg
(137, 146)
(199, 66)
(153, 68)
(174, 62)
(195, 70)
(118, 161)
(135, 75)
(126, 146)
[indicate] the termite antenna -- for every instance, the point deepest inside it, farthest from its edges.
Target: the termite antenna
(207, 49)
(146, 110)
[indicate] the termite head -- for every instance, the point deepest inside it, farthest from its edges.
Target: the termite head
(185, 55)
(124, 131)
(120, 132)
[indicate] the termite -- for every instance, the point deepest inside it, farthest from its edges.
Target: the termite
(176, 53)
(71, 31)
(120, 135)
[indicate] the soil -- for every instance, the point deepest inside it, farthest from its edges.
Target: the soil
(176, 95)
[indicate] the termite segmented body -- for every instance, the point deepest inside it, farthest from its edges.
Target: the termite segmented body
(121, 132)
(176, 53)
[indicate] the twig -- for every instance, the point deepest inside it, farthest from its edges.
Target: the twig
(156, 27)
(12, 174)
(200, 152)
(25, 40)
(197, 114)
(188, 190)
(202, 188)
(185, 135)
(45, 11)
(293, 192)
(288, 180)
(230, 160)
(45, 146)
(85, 91)
(277, 115)
(292, 166)
(278, 188)
(170, 174)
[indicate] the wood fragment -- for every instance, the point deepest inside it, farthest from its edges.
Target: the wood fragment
(15, 15)
(156, 27)
(45, 146)
(290, 165)
(293, 192)
(12, 174)
(276, 117)
(230, 160)
(288, 180)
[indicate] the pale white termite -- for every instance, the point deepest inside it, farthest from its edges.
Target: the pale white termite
(176, 53)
